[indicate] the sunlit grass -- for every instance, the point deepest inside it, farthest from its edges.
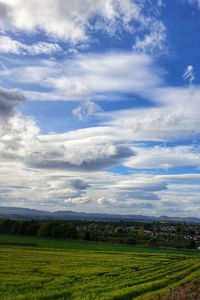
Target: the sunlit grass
(45, 273)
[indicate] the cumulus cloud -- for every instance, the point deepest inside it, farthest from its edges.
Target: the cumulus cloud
(18, 136)
(86, 109)
(77, 156)
(28, 157)
(63, 19)
(22, 140)
(96, 148)
(53, 187)
(70, 21)
(9, 45)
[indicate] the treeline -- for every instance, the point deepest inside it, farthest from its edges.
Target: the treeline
(131, 233)
(50, 229)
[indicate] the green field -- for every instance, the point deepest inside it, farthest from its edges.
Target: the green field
(32, 268)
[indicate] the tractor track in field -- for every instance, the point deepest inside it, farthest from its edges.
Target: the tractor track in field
(186, 291)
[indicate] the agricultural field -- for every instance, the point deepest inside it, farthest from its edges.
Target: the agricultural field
(32, 268)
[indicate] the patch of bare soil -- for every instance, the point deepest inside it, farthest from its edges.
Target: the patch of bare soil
(187, 291)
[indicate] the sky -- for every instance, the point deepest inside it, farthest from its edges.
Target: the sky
(100, 106)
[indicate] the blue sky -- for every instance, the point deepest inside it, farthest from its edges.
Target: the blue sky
(100, 105)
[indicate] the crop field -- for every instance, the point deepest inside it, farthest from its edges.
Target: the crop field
(28, 271)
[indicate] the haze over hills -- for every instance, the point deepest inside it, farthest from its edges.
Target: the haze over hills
(27, 213)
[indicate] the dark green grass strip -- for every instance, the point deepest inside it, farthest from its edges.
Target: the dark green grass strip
(79, 245)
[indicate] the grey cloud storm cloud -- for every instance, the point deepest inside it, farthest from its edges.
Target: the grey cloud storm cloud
(9, 101)
(95, 161)
(78, 184)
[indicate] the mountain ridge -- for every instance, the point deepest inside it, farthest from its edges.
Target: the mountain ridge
(27, 213)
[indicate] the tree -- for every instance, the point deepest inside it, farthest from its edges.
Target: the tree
(87, 236)
(153, 241)
(45, 230)
(141, 232)
(132, 241)
(192, 244)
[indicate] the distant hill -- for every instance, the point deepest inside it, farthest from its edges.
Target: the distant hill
(27, 213)
(18, 212)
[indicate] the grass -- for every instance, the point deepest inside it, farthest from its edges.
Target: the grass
(82, 245)
(32, 268)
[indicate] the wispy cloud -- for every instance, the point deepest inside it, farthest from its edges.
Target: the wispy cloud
(86, 110)
(192, 2)
(127, 155)
(76, 201)
(71, 22)
(162, 157)
(9, 45)
(155, 41)
(89, 74)
(189, 74)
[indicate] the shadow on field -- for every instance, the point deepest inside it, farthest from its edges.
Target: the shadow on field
(18, 244)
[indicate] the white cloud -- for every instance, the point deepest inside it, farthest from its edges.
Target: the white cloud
(125, 204)
(9, 45)
(65, 192)
(18, 136)
(187, 177)
(73, 21)
(77, 155)
(188, 74)
(106, 202)
(87, 76)
(143, 183)
(76, 201)
(43, 48)
(164, 157)
(86, 110)
(139, 188)
(114, 73)
(169, 120)
(29, 158)
(133, 194)
(154, 41)
(61, 19)
(21, 140)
